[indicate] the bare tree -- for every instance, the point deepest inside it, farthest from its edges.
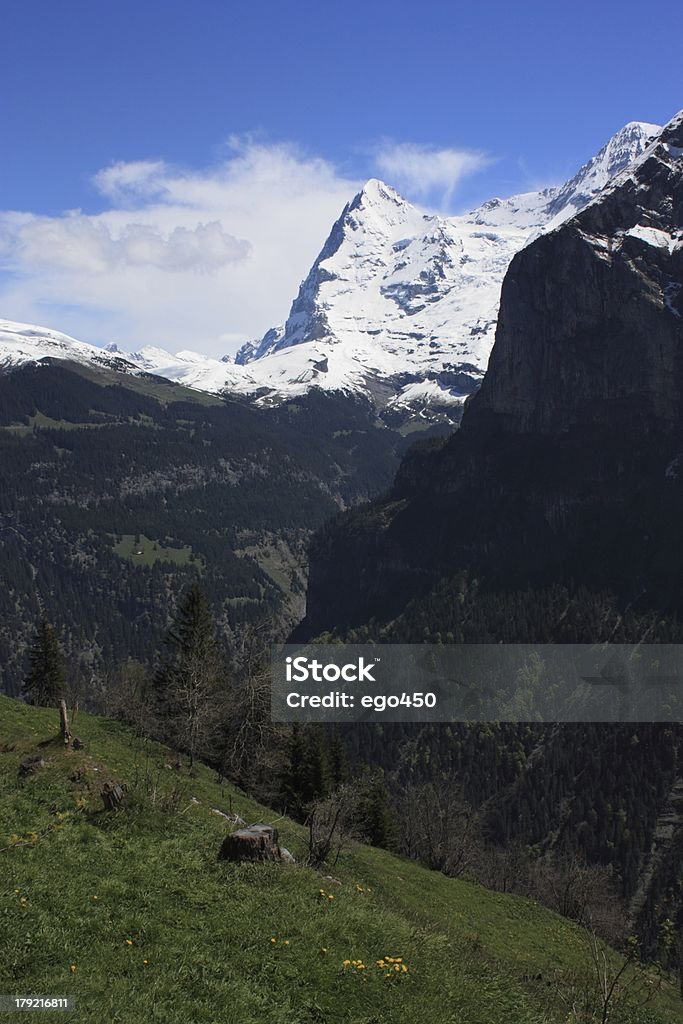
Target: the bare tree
(438, 827)
(612, 983)
(254, 749)
(583, 892)
(504, 868)
(126, 695)
(331, 826)
(253, 745)
(190, 682)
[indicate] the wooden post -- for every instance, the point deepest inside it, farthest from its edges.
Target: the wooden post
(64, 719)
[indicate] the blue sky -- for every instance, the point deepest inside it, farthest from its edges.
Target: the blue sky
(230, 135)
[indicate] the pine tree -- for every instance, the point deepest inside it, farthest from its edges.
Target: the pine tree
(318, 781)
(45, 683)
(374, 812)
(338, 764)
(306, 778)
(188, 683)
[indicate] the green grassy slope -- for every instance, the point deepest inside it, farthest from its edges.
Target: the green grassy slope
(131, 913)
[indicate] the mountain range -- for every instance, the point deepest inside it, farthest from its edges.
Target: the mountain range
(400, 306)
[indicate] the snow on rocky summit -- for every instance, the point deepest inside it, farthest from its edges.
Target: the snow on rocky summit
(400, 306)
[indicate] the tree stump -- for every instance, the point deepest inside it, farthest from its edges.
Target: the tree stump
(112, 794)
(257, 843)
(31, 764)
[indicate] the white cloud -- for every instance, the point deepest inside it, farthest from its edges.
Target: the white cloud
(89, 246)
(424, 170)
(194, 259)
(197, 259)
(141, 178)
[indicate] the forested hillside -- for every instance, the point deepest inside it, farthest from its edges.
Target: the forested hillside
(117, 491)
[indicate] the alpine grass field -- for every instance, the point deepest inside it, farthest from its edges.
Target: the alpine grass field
(131, 914)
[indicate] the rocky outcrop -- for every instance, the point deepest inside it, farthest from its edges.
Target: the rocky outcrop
(592, 314)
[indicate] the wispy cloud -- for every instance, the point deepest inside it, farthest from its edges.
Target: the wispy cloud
(122, 181)
(426, 171)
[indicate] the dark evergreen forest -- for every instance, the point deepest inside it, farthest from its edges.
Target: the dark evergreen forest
(117, 491)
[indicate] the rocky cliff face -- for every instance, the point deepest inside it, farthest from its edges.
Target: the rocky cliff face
(569, 461)
(591, 314)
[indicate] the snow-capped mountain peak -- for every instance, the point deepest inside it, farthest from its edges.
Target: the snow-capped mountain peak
(404, 296)
(622, 150)
(399, 302)
(378, 206)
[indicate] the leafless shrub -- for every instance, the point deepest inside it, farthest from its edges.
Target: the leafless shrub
(612, 985)
(331, 826)
(504, 868)
(583, 892)
(125, 695)
(438, 827)
(565, 883)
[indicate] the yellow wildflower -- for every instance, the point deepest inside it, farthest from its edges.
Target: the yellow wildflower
(285, 942)
(73, 968)
(129, 942)
(273, 940)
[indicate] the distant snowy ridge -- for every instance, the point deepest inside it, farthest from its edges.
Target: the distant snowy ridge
(400, 306)
(28, 343)
(21, 344)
